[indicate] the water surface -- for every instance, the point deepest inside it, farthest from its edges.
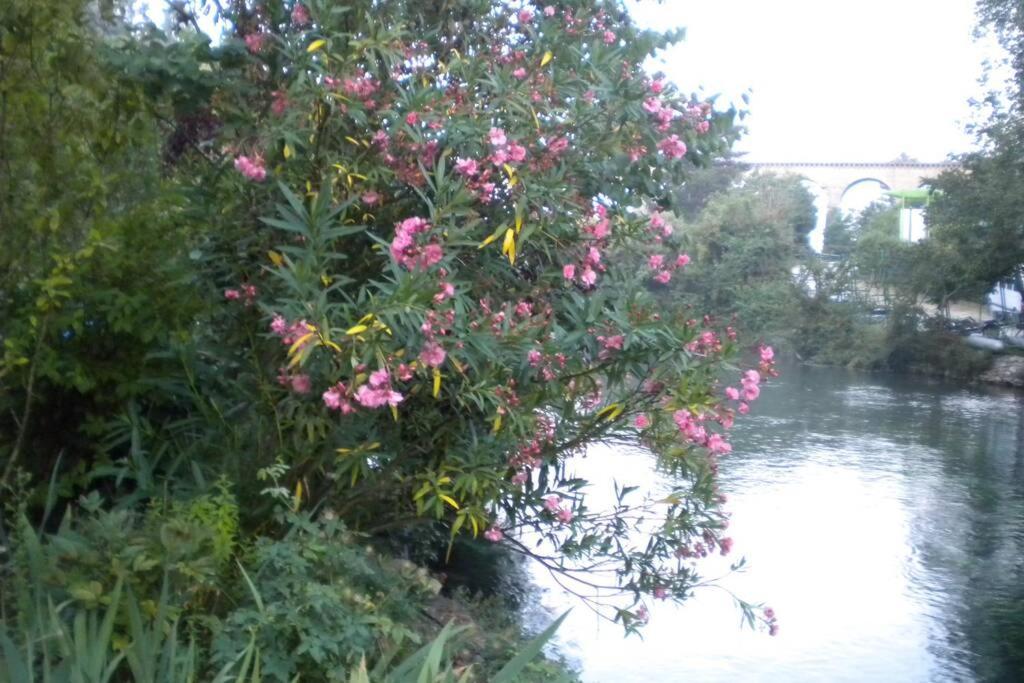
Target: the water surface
(882, 518)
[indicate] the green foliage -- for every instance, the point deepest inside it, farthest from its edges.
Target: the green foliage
(745, 244)
(214, 333)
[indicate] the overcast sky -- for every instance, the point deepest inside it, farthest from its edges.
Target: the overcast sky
(833, 80)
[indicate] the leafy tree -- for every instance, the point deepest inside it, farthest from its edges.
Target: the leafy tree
(364, 271)
(976, 225)
(745, 244)
(840, 235)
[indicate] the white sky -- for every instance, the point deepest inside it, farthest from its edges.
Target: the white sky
(829, 80)
(833, 80)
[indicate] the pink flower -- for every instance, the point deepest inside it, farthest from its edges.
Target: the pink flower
(549, 11)
(767, 354)
(251, 168)
(519, 73)
(280, 103)
(552, 503)
(534, 357)
(301, 384)
(564, 515)
(432, 354)
(769, 613)
(466, 167)
(558, 145)
(725, 544)
(520, 478)
(412, 118)
(499, 156)
(773, 630)
(673, 147)
(377, 391)
(370, 198)
(660, 592)
(718, 445)
(447, 292)
(652, 105)
(516, 152)
(682, 260)
(642, 422)
(300, 15)
(655, 261)
(569, 271)
(494, 534)
(405, 249)
(743, 409)
(404, 372)
(657, 86)
(232, 294)
(643, 615)
(732, 393)
(609, 37)
(278, 325)
(751, 392)
(663, 277)
(751, 377)
(525, 16)
(432, 254)
(589, 277)
(336, 398)
(255, 41)
(497, 137)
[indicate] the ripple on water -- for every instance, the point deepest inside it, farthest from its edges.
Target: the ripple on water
(881, 519)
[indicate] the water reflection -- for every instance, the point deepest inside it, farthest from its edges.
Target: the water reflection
(883, 519)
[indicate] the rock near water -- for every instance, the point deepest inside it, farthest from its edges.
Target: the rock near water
(1005, 370)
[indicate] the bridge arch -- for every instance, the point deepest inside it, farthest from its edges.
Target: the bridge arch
(862, 183)
(838, 177)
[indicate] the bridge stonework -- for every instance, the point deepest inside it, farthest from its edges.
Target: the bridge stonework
(835, 178)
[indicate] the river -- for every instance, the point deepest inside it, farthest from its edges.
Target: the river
(882, 518)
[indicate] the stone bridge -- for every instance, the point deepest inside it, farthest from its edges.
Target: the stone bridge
(835, 178)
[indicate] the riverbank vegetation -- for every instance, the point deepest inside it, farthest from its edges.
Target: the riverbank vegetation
(302, 310)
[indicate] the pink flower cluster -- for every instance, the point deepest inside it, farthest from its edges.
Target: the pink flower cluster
(662, 275)
(505, 151)
(377, 392)
(672, 147)
(248, 292)
(299, 382)
(289, 332)
(339, 398)
(528, 456)
(553, 504)
(251, 167)
(772, 621)
(432, 354)
(664, 115)
(406, 250)
(300, 15)
(362, 87)
(609, 346)
(494, 534)
(255, 42)
(659, 227)
(477, 180)
(280, 104)
(692, 429)
(597, 226)
(446, 290)
(546, 363)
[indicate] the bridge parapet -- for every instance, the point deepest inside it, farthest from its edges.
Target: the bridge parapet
(837, 177)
